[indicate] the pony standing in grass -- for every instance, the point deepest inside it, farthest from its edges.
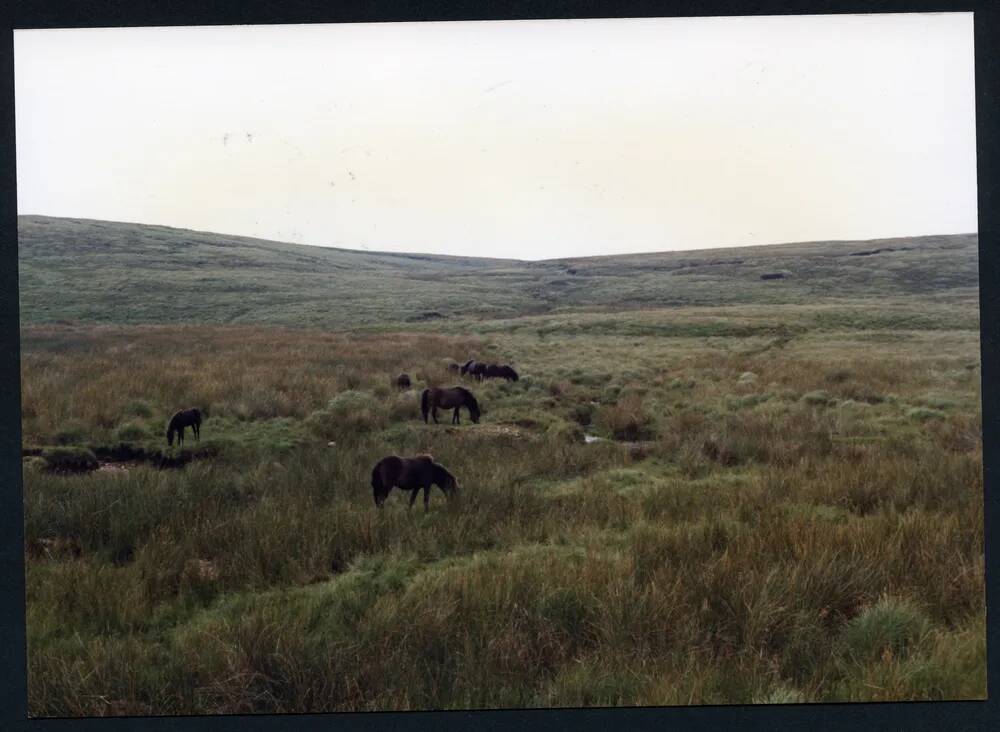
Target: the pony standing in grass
(411, 474)
(500, 372)
(475, 369)
(456, 396)
(184, 418)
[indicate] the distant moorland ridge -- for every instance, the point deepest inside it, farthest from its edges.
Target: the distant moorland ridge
(107, 272)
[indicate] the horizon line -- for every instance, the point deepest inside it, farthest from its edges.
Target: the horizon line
(503, 259)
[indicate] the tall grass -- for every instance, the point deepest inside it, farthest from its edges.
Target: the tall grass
(762, 548)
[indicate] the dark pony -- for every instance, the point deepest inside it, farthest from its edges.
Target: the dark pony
(411, 474)
(475, 369)
(403, 381)
(184, 418)
(456, 396)
(501, 372)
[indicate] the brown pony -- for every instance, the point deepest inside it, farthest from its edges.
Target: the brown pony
(456, 396)
(184, 418)
(411, 474)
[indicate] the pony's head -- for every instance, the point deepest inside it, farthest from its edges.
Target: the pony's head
(511, 373)
(380, 493)
(473, 405)
(170, 435)
(445, 480)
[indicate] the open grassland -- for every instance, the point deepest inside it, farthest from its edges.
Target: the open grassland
(786, 505)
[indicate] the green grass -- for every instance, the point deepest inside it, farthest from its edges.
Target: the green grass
(812, 532)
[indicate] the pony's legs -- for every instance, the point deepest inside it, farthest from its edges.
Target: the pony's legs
(180, 437)
(427, 497)
(455, 418)
(197, 431)
(413, 497)
(434, 414)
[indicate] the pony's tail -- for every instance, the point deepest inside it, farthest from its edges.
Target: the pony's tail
(423, 402)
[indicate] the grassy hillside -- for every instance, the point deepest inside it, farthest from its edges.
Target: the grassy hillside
(95, 271)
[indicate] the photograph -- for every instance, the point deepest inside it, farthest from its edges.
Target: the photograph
(500, 364)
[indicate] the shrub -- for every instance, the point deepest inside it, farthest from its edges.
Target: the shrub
(71, 433)
(564, 432)
(627, 419)
(817, 397)
(131, 432)
(890, 626)
(678, 383)
(347, 413)
(69, 459)
(139, 408)
(838, 376)
(923, 414)
(34, 462)
(582, 414)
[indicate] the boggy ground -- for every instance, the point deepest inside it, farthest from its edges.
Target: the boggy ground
(803, 521)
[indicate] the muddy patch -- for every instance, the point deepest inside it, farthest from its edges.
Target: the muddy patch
(493, 430)
(115, 468)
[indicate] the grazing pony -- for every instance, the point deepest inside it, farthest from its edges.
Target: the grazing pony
(501, 372)
(456, 396)
(403, 382)
(411, 474)
(475, 369)
(184, 418)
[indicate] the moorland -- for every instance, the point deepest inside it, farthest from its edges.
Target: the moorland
(706, 487)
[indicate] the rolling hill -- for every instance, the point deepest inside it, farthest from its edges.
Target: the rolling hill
(107, 272)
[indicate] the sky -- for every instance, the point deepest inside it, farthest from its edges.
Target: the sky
(523, 139)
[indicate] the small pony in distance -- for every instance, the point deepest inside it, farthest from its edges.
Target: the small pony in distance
(184, 418)
(456, 397)
(411, 474)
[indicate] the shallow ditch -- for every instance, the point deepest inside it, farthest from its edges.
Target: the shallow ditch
(115, 459)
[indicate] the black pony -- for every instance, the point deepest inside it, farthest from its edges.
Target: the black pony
(500, 372)
(403, 382)
(456, 396)
(184, 418)
(473, 368)
(411, 474)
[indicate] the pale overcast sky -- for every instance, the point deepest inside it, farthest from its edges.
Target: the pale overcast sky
(527, 139)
